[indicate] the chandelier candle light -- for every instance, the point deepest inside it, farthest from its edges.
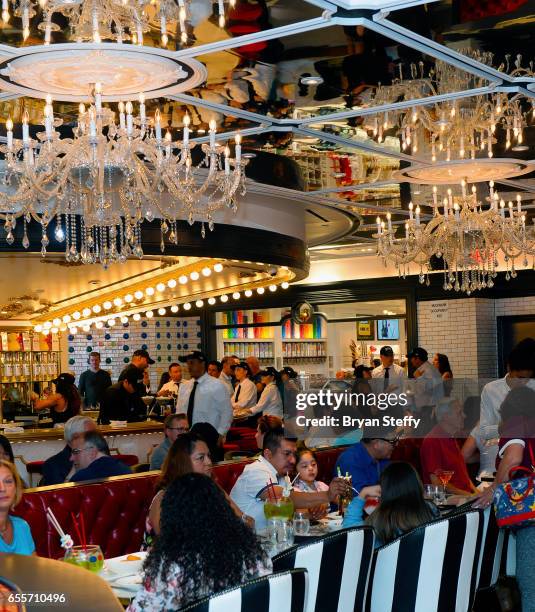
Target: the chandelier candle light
(117, 20)
(101, 184)
(466, 234)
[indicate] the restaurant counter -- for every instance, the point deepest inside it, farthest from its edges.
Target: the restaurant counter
(39, 444)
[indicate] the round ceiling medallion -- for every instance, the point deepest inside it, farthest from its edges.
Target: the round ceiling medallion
(68, 72)
(472, 170)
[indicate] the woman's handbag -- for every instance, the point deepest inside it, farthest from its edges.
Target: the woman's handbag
(514, 501)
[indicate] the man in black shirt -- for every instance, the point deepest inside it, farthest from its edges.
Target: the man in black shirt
(121, 402)
(93, 382)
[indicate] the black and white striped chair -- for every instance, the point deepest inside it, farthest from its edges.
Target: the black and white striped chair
(283, 592)
(433, 568)
(338, 569)
(491, 551)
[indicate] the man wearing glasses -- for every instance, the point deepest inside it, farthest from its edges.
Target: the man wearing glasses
(91, 457)
(174, 425)
(365, 460)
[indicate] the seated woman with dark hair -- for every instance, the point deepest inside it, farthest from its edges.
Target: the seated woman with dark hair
(188, 454)
(402, 506)
(203, 548)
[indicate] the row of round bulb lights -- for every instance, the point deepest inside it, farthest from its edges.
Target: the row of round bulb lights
(72, 322)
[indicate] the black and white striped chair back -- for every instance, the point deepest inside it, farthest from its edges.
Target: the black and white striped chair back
(491, 550)
(281, 592)
(433, 568)
(338, 569)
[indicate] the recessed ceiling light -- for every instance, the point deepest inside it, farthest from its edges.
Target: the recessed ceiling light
(249, 155)
(311, 80)
(520, 148)
(94, 282)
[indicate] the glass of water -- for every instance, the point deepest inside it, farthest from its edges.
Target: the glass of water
(285, 535)
(301, 523)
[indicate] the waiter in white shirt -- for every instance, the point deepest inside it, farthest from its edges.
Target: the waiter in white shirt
(244, 395)
(203, 398)
(270, 401)
(390, 373)
(175, 378)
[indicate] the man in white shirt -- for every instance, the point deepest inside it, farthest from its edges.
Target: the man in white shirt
(520, 371)
(171, 388)
(390, 374)
(227, 372)
(427, 386)
(203, 398)
(215, 369)
(277, 460)
(244, 395)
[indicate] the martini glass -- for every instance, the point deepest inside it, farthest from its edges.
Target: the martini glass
(444, 476)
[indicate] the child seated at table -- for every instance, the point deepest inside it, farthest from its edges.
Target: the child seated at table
(307, 470)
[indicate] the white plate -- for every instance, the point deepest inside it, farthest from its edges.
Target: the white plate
(334, 516)
(120, 566)
(129, 582)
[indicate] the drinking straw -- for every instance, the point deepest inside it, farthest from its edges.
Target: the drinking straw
(78, 533)
(55, 523)
(83, 531)
(294, 480)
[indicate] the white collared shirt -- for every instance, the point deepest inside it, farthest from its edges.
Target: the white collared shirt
(246, 397)
(227, 381)
(396, 379)
(395, 371)
(211, 405)
(492, 397)
(252, 480)
(270, 401)
(171, 386)
(428, 387)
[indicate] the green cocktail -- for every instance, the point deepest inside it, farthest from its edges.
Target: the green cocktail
(90, 557)
(281, 509)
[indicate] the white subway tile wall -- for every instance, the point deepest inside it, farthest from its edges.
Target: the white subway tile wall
(165, 338)
(468, 335)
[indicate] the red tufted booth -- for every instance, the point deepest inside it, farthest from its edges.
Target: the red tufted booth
(115, 509)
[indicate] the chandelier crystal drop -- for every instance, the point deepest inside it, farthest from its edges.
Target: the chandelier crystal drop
(117, 170)
(115, 20)
(457, 128)
(466, 234)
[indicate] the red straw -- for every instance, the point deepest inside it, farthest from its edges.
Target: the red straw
(78, 533)
(83, 531)
(273, 490)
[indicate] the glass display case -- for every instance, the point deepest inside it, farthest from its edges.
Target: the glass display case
(28, 363)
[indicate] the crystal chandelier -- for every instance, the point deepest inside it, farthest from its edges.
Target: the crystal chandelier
(117, 20)
(467, 234)
(455, 129)
(101, 184)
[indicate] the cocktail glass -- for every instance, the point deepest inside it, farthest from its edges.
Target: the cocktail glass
(89, 557)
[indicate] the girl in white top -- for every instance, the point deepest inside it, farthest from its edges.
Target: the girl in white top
(270, 401)
(245, 394)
